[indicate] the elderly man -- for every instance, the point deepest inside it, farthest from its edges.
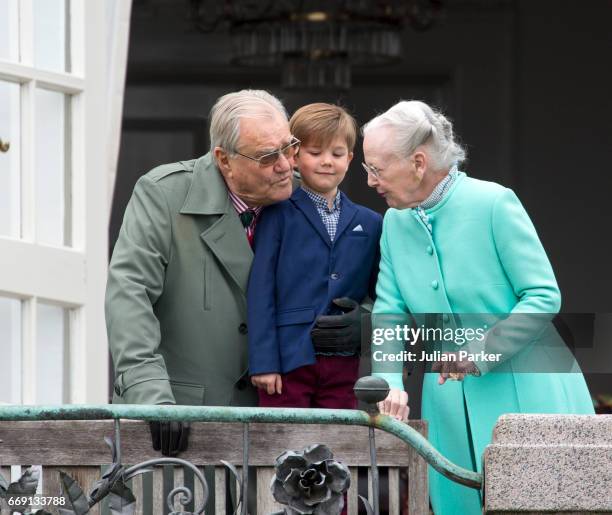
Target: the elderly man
(175, 300)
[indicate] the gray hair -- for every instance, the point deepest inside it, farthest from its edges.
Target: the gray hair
(414, 123)
(225, 115)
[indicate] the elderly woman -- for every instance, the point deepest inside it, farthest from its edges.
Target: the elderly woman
(456, 245)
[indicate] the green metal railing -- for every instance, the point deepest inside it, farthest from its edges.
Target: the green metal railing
(246, 415)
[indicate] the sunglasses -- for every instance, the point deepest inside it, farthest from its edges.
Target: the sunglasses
(271, 158)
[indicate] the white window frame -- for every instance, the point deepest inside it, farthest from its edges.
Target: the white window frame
(72, 277)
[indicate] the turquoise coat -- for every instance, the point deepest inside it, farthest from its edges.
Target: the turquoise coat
(482, 256)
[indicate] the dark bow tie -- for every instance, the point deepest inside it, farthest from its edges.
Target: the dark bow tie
(246, 217)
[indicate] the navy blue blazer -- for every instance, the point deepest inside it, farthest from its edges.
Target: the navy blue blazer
(297, 271)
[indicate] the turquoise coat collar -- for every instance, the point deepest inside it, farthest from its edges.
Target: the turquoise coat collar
(460, 177)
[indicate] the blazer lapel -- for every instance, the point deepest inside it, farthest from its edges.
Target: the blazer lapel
(226, 237)
(305, 205)
(347, 213)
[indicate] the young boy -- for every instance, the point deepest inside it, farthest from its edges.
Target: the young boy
(309, 250)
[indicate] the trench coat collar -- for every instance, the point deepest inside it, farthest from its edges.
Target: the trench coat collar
(207, 193)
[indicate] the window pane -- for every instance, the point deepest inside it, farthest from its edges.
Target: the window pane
(9, 160)
(10, 351)
(9, 35)
(51, 345)
(51, 35)
(52, 168)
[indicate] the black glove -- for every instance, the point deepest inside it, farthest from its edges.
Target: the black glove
(169, 437)
(341, 332)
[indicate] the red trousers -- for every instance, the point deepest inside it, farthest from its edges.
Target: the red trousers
(326, 384)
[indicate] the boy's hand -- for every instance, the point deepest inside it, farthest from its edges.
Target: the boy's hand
(271, 383)
(344, 330)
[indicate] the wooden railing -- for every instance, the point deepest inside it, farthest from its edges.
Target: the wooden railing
(78, 448)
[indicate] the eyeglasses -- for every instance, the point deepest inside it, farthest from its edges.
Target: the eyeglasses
(271, 158)
(371, 170)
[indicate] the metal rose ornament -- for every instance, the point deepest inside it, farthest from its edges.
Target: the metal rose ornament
(310, 482)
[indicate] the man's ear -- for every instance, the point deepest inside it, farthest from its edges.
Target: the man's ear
(223, 162)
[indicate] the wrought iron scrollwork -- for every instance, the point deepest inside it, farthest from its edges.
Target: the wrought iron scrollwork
(187, 497)
(113, 484)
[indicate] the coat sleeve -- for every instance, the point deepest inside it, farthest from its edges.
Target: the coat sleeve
(530, 273)
(523, 257)
(135, 282)
(264, 351)
(389, 310)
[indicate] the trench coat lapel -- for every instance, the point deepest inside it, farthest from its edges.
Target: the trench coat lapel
(305, 205)
(227, 240)
(226, 237)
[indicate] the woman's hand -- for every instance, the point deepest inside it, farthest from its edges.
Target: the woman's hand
(455, 370)
(395, 405)
(271, 383)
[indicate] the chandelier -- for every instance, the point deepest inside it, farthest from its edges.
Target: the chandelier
(315, 43)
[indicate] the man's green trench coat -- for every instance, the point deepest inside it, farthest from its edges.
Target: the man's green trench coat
(175, 299)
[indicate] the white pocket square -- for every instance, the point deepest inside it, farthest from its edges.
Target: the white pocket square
(358, 228)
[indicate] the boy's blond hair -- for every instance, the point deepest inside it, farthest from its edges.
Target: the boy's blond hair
(319, 124)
